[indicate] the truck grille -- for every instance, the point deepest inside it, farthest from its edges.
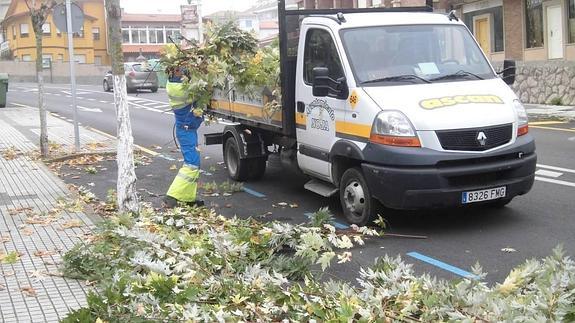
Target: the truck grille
(471, 140)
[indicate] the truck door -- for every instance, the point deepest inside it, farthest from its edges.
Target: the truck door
(316, 117)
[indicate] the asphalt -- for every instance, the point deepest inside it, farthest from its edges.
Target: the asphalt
(497, 239)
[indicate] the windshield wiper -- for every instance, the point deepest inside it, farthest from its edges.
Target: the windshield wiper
(456, 75)
(406, 77)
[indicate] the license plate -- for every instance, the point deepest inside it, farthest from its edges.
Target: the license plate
(483, 195)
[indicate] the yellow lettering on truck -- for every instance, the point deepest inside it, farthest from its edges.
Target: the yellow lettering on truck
(430, 104)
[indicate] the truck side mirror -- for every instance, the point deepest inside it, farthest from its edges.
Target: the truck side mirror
(509, 69)
(323, 85)
(320, 84)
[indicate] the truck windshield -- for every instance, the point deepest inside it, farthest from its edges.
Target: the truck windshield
(401, 55)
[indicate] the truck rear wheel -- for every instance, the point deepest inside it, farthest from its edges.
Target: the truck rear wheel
(358, 205)
(238, 168)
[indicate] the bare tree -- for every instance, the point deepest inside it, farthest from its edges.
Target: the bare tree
(39, 11)
(126, 185)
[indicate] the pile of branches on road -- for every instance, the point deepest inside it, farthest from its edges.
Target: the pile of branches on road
(192, 265)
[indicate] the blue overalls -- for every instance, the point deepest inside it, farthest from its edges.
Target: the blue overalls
(184, 186)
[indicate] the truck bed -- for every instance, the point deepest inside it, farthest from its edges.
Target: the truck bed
(249, 109)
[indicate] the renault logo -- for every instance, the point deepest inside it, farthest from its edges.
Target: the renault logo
(482, 138)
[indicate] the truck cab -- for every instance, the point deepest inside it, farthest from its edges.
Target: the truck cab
(400, 109)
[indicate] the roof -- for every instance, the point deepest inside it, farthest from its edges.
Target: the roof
(355, 20)
(131, 17)
(269, 25)
(227, 14)
(146, 48)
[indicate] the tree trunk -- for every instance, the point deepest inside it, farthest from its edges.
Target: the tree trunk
(44, 150)
(126, 186)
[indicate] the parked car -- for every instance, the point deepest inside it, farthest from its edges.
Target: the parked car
(138, 77)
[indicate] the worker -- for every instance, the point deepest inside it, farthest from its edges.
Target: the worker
(184, 187)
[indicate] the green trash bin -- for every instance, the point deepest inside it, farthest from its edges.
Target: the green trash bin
(3, 89)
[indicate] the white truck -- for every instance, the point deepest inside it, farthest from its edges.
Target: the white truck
(396, 107)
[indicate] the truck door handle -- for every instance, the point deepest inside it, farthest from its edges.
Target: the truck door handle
(300, 107)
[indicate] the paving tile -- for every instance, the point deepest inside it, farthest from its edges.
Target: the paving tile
(27, 183)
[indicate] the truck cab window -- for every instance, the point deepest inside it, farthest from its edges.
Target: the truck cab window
(320, 51)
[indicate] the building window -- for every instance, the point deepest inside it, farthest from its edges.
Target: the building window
(98, 60)
(81, 59)
(496, 26)
(79, 34)
(46, 30)
(125, 35)
(248, 24)
(13, 32)
(174, 34)
(96, 33)
(376, 3)
(26, 58)
(143, 36)
(534, 23)
(156, 36)
(24, 32)
(571, 23)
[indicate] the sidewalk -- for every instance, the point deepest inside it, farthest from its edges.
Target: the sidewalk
(34, 230)
(550, 111)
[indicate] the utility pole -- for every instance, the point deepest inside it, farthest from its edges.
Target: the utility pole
(72, 73)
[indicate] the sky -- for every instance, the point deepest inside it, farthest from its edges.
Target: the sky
(173, 6)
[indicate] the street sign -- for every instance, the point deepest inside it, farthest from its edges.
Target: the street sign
(46, 63)
(59, 16)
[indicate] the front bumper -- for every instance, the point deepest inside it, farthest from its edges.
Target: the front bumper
(436, 179)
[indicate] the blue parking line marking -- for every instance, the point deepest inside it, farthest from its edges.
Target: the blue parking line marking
(339, 225)
(254, 193)
(442, 265)
(336, 224)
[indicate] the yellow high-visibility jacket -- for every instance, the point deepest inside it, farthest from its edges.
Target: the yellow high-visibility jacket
(178, 96)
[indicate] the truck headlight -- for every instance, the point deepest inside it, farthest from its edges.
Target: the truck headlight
(522, 119)
(393, 128)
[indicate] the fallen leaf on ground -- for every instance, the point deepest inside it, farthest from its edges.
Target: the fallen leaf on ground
(75, 223)
(5, 239)
(38, 275)
(2, 287)
(207, 157)
(293, 206)
(27, 231)
(227, 194)
(9, 273)
(508, 250)
(9, 258)
(156, 147)
(38, 220)
(21, 210)
(75, 177)
(44, 253)
(173, 167)
(29, 291)
(282, 204)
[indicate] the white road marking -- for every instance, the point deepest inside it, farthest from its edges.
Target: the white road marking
(559, 169)
(548, 173)
(89, 109)
(554, 181)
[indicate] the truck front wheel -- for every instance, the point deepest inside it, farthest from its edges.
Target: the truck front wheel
(356, 201)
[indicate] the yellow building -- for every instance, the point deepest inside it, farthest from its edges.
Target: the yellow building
(90, 45)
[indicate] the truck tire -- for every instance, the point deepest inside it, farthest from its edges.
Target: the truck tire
(356, 201)
(257, 168)
(106, 86)
(238, 169)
